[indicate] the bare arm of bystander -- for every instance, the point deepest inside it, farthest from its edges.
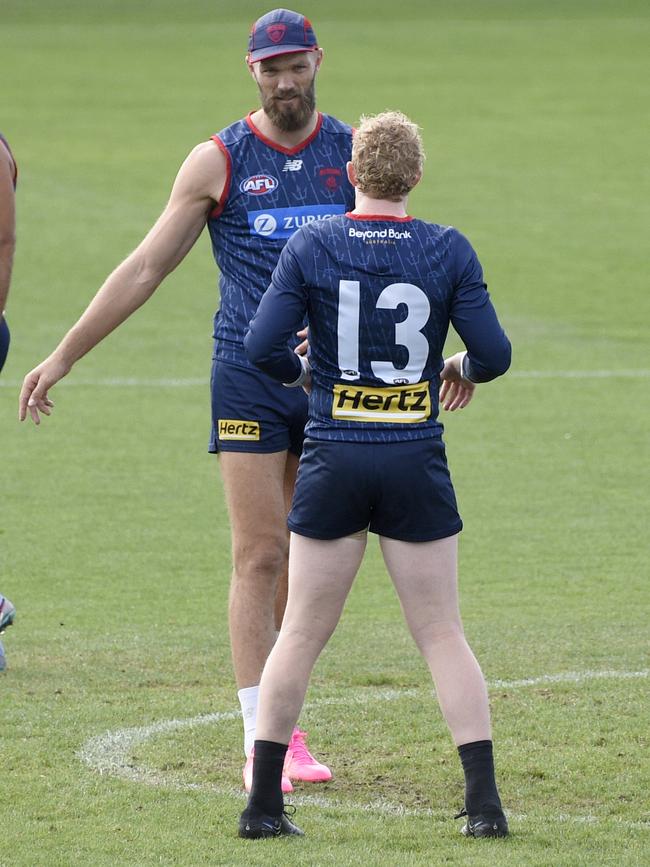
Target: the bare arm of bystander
(7, 224)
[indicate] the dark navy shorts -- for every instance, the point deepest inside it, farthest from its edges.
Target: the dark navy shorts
(253, 413)
(400, 490)
(4, 341)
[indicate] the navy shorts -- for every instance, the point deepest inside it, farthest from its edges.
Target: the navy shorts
(4, 341)
(253, 413)
(400, 490)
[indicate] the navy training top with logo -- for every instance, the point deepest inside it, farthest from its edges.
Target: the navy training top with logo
(270, 192)
(379, 294)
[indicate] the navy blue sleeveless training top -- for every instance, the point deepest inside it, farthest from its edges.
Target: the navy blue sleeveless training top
(270, 192)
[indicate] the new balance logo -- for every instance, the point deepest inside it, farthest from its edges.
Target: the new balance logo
(292, 166)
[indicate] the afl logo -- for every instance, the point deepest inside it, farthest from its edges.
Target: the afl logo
(257, 185)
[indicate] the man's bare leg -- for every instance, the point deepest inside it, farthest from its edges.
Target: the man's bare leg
(424, 574)
(291, 470)
(255, 494)
(259, 488)
(320, 576)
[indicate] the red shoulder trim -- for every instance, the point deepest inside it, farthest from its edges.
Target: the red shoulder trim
(221, 204)
(276, 147)
(385, 217)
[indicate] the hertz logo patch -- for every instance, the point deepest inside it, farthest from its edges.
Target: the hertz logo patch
(233, 429)
(402, 404)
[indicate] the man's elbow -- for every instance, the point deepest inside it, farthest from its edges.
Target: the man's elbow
(489, 367)
(148, 276)
(256, 350)
(145, 268)
(503, 359)
(500, 361)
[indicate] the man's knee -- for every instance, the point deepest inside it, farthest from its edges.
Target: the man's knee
(435, 632)
(307, 638)
(261, 560)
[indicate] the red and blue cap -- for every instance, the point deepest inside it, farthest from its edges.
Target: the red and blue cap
(280, 32)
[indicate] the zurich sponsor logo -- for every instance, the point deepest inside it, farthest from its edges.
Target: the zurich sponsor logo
(265, 225)
(257, 185)
(281, 223)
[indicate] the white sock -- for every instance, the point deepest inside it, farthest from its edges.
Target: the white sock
(248, 702)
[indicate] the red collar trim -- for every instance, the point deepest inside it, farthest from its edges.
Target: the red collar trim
(385, 217)
(276, 147)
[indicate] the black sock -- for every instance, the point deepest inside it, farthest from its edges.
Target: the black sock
(266, 791)
(481, 795)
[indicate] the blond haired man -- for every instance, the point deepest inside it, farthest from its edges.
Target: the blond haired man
(380, 289)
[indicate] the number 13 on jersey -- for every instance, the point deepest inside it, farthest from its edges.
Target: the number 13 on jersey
(408, 333)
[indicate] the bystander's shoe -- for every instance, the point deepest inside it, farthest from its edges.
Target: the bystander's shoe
(254, 828)
(491, 823)
(248, 776)
(301, 765)
(7, 614)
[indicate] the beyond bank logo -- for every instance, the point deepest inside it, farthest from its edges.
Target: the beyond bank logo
(371, 235)
(257, 185)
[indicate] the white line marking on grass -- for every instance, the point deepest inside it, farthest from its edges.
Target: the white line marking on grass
(194, 382)
(579, 820)
(568, 677)
(122, 382)
(110, 753)
(579, 374)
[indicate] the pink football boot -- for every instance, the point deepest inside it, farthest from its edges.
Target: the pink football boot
(301, 765)
(248, 776)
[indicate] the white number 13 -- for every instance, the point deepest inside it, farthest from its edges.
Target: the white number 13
(407, 333)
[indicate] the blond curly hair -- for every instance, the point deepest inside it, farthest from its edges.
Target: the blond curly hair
(387, 155)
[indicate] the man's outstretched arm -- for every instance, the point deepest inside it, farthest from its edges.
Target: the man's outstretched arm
(198, 185)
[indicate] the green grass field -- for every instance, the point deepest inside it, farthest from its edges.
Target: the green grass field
(120, 742)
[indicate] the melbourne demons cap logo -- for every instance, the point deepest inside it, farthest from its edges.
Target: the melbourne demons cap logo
(280, 31)
(257, 185)
(331, 178)
(276, 32)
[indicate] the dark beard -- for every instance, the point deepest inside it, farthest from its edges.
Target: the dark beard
(290, 120)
